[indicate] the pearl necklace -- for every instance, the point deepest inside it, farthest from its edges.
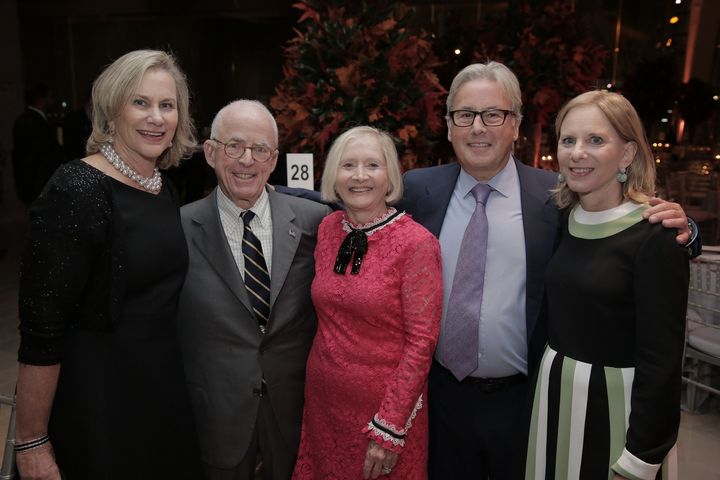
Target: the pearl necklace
(151, 184)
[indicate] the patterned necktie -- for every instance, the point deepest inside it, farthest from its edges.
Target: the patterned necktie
(462, 321)
(257, 278)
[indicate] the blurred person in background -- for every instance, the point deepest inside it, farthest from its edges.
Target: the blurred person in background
(36, 153)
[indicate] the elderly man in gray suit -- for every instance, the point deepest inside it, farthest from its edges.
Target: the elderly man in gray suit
(246, 320)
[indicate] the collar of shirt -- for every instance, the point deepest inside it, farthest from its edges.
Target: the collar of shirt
(596, 218)
(503, 182)
(261, 209)
(233, 227)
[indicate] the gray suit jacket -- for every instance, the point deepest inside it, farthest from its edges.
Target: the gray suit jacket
(224, 353)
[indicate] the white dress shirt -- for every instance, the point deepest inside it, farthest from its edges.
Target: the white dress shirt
(233, 226)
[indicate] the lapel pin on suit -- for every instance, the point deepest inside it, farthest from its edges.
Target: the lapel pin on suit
(291, 232)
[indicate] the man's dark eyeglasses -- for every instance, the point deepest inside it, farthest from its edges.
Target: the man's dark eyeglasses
(494, 117)
(259, 153)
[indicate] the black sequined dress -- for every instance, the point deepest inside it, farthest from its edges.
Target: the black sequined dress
(101, 274)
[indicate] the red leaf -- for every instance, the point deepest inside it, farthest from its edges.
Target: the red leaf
(383, 27)
(308, 12)
(407, 132)
(328, 131)
(349, 77)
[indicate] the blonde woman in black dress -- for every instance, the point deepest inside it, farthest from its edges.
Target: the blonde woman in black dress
(101, 391)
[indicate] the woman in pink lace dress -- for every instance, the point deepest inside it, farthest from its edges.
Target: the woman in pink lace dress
(378, 295)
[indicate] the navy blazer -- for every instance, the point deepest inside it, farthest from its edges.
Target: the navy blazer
(427, 196)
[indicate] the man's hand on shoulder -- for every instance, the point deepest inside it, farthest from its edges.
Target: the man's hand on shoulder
(671, 215)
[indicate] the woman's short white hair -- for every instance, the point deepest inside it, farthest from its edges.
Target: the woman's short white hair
(327, 185)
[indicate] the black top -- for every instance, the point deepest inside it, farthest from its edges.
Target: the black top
(617, 298)
(72, 262)
(101, 274)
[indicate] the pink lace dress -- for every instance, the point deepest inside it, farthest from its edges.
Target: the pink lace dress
(367, 370)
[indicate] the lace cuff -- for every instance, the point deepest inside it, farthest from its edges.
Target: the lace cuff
(388, 435)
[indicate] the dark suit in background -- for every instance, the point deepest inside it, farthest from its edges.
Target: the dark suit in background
(76, 131)
(36, 154)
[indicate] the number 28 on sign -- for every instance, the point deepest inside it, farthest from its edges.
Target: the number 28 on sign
(300, 170)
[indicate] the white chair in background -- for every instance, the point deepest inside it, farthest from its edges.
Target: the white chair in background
(701, 367)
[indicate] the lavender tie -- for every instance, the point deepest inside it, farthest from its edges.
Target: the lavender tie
(462, 321)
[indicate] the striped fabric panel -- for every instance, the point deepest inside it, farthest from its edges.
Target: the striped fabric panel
(581, 382)
(554, 414)
(572, 398)
(572, 412)
(564, 418)
(537, 440)
(618, 409)
(628, 375)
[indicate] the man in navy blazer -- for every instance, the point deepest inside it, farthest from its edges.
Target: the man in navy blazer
(475, 420)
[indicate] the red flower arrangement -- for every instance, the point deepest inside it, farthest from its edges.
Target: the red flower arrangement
(352, 64)
(552, 55)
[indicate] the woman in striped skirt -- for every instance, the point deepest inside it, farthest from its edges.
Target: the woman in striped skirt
(607, 396)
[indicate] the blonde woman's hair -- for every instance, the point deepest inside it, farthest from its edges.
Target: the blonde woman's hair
(640, 184)
(115, 86)
(327, 185)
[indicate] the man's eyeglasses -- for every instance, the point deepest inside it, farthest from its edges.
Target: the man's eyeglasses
(259, 153)
(494, 117)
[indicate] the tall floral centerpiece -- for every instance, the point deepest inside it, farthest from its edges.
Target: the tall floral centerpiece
(546, 46)
(353, 63)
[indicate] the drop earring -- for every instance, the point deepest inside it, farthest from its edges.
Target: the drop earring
(622, 175)
(561, 178)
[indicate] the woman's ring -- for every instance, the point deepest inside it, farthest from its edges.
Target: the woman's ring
(386, 470)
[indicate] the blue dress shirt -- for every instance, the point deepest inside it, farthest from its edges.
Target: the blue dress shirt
(503, 332)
